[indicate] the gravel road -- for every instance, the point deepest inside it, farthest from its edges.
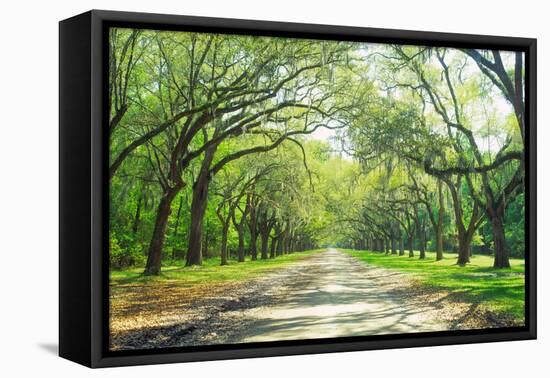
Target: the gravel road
(330, 294)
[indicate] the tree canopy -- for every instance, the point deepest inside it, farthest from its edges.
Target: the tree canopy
(249, 147)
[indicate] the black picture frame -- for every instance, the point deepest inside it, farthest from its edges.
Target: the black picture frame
(83, 195)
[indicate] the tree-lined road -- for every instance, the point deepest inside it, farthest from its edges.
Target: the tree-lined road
(219, 176)
(336, 295)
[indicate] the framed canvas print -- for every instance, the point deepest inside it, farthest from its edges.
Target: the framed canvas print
(233, 188)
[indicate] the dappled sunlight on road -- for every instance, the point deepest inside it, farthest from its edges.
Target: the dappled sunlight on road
(338, 296)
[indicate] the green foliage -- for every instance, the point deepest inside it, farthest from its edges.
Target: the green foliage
(120, 257)
(515, 226)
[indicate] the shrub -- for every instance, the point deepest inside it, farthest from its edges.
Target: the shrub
(124, 257)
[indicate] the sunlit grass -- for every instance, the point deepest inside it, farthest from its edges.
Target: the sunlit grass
(502, 290)
(210, 271)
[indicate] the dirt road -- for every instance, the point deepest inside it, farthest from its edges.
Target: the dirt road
(329, 294)
(339, 296)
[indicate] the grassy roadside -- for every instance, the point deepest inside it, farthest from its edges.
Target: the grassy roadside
(209, 272)
(140, 302)
(500, 290)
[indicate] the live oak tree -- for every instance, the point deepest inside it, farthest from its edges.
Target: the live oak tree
(214, 148)
(234, 87)
(510, 82)
(431, 195)
(442, 138)
(453, 109)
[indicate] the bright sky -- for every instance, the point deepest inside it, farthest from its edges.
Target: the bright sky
(323, 134)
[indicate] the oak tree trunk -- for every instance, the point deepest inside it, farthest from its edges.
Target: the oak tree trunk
(422, 238)
(264, 245)
(225, 230)
(159, 231)
(240, 249)
(439, 226)
(198, 207)
(272, 248)
(253, 248)
(279, 249)
(464, 247)
(499, 240)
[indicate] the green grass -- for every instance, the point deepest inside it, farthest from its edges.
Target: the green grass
(210, 271)
(501, 290)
